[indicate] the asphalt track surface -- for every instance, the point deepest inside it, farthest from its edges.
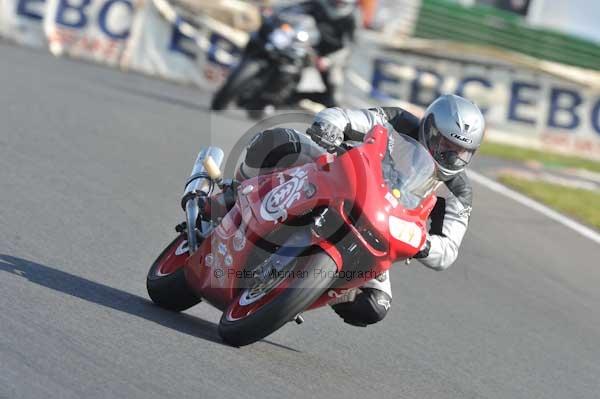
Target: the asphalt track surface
(92, 163)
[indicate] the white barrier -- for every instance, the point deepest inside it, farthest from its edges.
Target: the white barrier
(21, 22)
(3, 22)
(99, 32)
(164, 44)
(532, 107)
(142, 35)
(398, 17)
(157, 48)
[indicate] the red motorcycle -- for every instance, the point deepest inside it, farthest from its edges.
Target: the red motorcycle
(298, 238)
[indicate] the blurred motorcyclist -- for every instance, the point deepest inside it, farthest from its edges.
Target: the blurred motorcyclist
(452, 129)
(336, 23)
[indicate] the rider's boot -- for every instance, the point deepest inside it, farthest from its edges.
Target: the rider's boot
(366, 305)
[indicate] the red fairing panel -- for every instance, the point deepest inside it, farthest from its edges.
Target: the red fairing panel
(263, 202)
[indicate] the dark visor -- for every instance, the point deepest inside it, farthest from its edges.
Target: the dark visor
(448, 155)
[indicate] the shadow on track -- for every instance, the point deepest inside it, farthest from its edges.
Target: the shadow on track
(113, 298)
(104, 295)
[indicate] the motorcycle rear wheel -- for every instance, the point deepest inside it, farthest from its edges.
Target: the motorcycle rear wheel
(166, 283)
(313, 275)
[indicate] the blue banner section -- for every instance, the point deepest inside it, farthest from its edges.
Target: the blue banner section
(183, 44)
(524, 101)
(98, 26)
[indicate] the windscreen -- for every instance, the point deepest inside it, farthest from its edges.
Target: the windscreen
(409, 170)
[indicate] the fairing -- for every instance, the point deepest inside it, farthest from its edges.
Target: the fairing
(385, 227)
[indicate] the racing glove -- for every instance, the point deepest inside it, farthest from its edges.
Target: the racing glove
(325, 134)
(424, 252)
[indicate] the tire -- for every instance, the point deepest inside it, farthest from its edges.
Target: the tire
(284, 307)
(234, 85)
(168, 287)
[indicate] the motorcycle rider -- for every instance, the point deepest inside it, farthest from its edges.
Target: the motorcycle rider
(452, 129)
(336, 24)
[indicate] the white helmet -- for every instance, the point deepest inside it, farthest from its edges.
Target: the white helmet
(336, 9)
(452, 129)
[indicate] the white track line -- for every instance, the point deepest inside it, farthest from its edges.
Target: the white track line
(528, 202)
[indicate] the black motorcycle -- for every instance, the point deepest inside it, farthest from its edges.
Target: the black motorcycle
(271, 66)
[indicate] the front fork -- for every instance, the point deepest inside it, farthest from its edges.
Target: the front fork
(199, 186)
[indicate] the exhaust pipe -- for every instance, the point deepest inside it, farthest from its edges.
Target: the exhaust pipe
(199, 184)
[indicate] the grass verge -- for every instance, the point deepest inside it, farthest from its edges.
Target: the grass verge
(514, 153)
(581, 204)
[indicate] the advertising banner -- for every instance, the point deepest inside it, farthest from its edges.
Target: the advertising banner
(526, 104)
(92, 30)
(177, 49)
(21, 21)
(148, 36)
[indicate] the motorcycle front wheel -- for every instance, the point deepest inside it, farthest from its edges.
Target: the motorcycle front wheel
(166, 283)
(262, 309)
(247, 71)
